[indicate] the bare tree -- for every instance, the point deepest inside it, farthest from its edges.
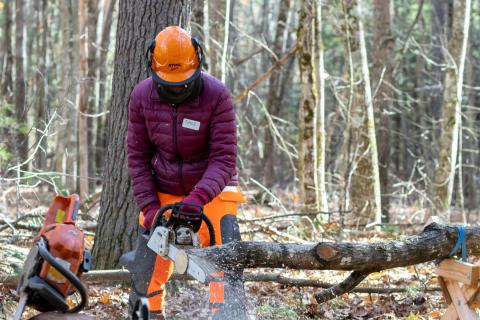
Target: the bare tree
(91, 80)
(273, 98)
(83, 162)
(452, 103)
(320, 131)
(117, 229)
(109, 6)
(20, 108)
(6, 88)
(308, 104)
(41, 79)
(372, 140)
(382, 81)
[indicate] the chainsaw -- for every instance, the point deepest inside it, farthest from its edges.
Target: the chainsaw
(55, 263)
(170, 240)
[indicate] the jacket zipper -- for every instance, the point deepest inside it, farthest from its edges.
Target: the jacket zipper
(175, 142)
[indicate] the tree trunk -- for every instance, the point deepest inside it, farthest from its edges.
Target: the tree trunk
(350, 101)
(452, 102)
(357, 168)
(64, 91)
(320, 110)
(102, 84)
(439, 22)
(83, 105)
(217, 21)
(72, 129)
(91, 80)
(382, 79)
(226, 28)
(6, 83)
(117, 229)
(308, 103)
(206, 34)
(471, 170)
(375, 198)
(273, 102)
(6, 89)
(41, 78)
(20, 108)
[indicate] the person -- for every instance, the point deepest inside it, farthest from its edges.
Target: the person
(181, 148)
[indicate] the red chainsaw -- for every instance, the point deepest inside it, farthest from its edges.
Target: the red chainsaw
(55, 263)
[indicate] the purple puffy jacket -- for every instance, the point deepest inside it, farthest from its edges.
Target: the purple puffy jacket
(175, 149)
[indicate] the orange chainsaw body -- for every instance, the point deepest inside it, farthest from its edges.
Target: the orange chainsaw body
(65, 241)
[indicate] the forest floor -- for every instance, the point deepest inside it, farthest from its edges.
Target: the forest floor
(265, 300)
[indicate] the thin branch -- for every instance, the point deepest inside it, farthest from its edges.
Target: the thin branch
(267, 74)
(345, 286)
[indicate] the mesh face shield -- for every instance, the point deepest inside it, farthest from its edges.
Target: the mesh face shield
(179, 94)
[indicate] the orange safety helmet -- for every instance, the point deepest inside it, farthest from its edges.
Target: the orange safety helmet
(175, 57)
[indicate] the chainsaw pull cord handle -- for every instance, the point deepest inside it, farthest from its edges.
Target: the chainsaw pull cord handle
(160, 220)
(67, 274)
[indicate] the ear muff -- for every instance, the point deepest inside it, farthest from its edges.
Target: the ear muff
(150, 43)
(198, 50)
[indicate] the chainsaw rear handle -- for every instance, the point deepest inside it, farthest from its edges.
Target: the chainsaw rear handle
(160, 220)
(69, 275)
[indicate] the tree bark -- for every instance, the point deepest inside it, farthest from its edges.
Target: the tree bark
(452, 102)
(137, 22)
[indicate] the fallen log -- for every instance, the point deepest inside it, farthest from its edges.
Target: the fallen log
(122, 275)
(436, 241)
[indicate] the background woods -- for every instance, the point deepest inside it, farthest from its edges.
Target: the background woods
(366, 110)
(351, 114)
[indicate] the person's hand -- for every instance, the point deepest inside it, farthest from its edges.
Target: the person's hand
(192, 203)
(188, 213)
(149, 214)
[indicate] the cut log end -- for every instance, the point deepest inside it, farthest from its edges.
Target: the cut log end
(326, 252)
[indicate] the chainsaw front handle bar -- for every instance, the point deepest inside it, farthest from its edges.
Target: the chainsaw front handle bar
(67, 274)
(160, 220)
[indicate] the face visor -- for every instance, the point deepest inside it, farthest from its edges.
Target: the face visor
(177, 94)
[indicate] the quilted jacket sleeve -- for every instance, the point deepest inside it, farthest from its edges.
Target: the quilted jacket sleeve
(223, 150)
(139, 154)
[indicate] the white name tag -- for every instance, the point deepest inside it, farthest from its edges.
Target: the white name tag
(191, 124)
